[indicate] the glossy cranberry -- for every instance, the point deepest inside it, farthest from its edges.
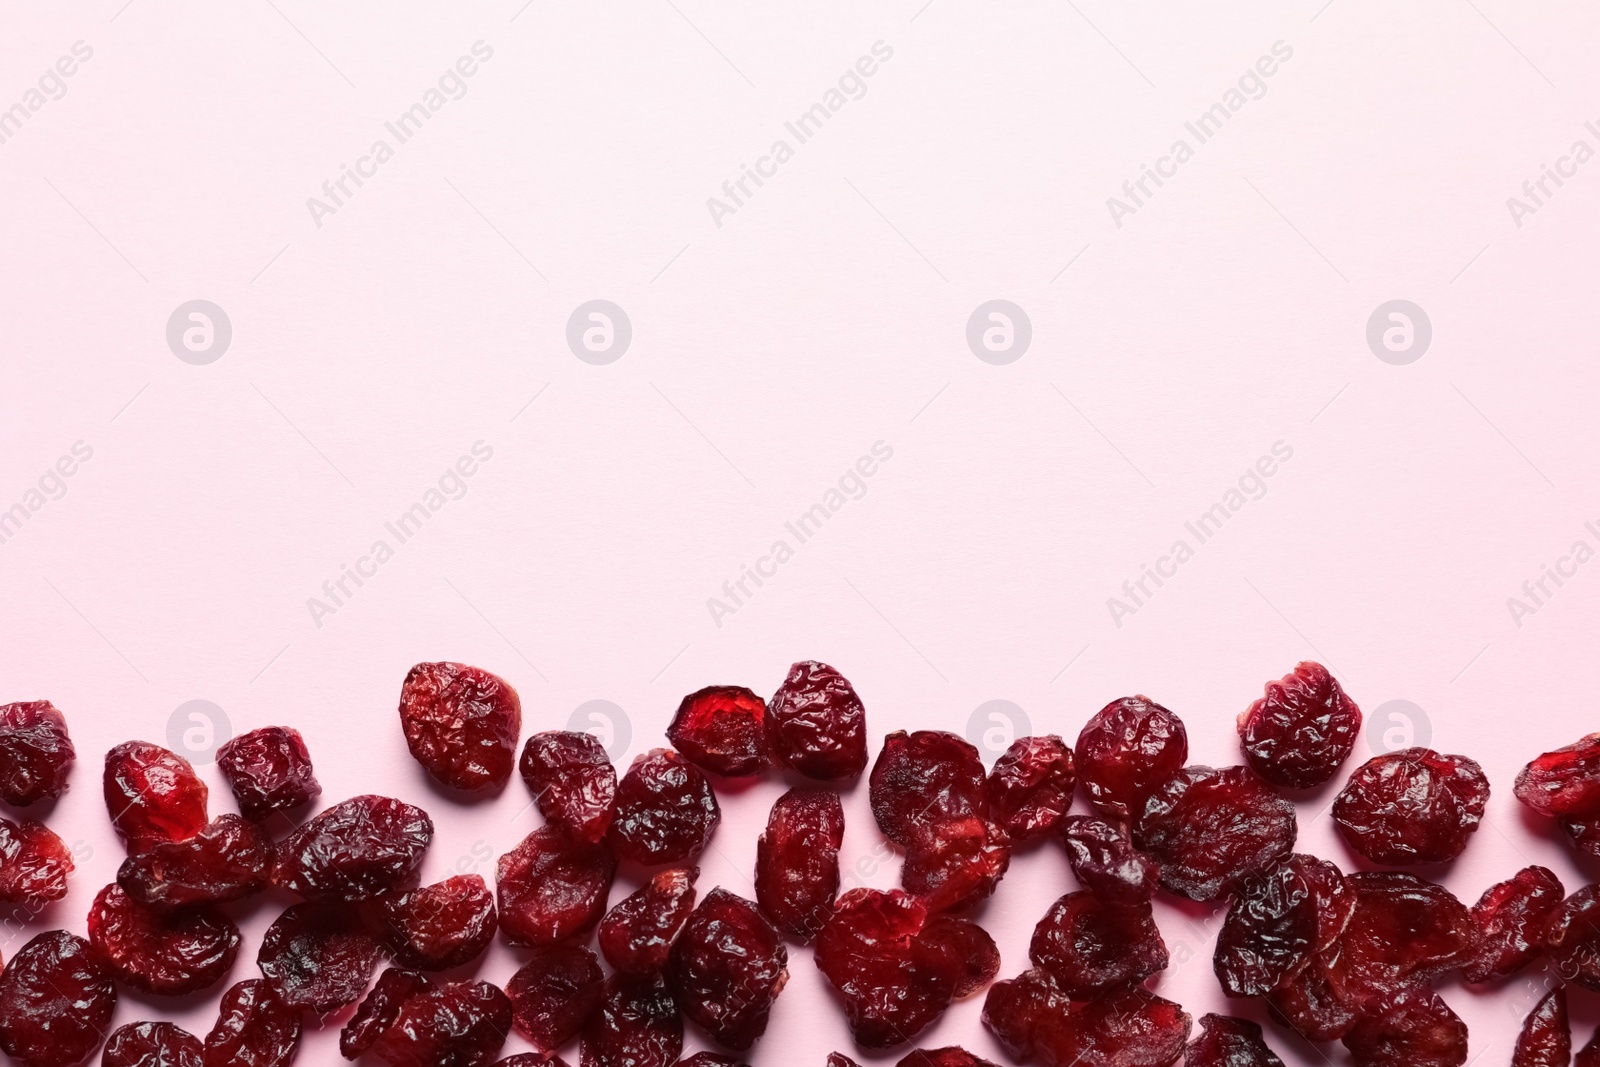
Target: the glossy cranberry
(1574, 938)
(1225, 1041)
(1411, 806)
(318, 957)
(1125, 1027)
(36, 755)
(972, 953)
(462, 724)
(231, 859)
(152, 1045)
(152, 795)
(1018, 1010)
(1546, 1036)
(268, 770)
(1563, 782)
(1085, 951)
(34, 864)
(722, 729)
(356, 850)
(894, 983)
(254, 1029)
(1209, 829)
(926, 779)
(666, 811)
(379, 1009)
(1301, 730)
(956, 864)
(1105, 862)
(1408, 1028)
(552, 887)
(1030, 787)
(56, 1002)
(1404, 931)
(168, 953)
(727, 967)
(817, 724)
(1130, 746)
(637, 934)
(950, 1056)
(1512, 920)
(458, 1024)
(637, 1025)
(555, 994)
(1278, 920)
(572, 781)
(797, 861)
(437, 927)
(1309, 1003)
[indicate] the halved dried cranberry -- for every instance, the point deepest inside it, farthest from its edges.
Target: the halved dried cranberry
(572, 781)
(268, 770)
(1209, 829)
(1106, 863)
(36, 755)
(379, 1009)
(1408, 1028)
(727, 967)
(152, 1045)
(232, 858)
(168, 953)
(972, 953)
(1278, 920)
(953, 865)
(1225, 1041)
(555, 993)
(1546, 1036)
(356, 850)
(1130, 746)
(666, 811)
(926, 779)
(56, 1001)
(949, 1056)
(1018, 1010)
(254, 1029)
(552, 887)
(1301, 729)
(153, 795)
(1405, 931)
(1030, 787)
(894, 984)
(637, 934)
(1411, 806)
(318, 957)
(637, 1025)
(34, 864)
(1125, 1027)
(817, 725)
(461, 723)
(1565, 781)
(458, 1024)
(1574, 938)
(1513, 922)
(722, 729)
(437, 927)
(1086, 951)
(797, 861)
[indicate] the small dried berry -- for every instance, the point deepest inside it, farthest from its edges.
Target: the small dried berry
(152, 1045)
(231, 859)
(1278, 920)
(437, 927)
(56, 1001)
(1225, 1041)
(1308, 1002)
(1412, 806)
(1130, 746)
(1209, 829)
(379, 1009)
(722, 729)
(1546, 1036)
(726, 969)
(1030, 787)
(253, 1029)
(572, 781)
(1409, 1028)
(1574, 938)
(1513, 920)
(637, 1025)
(268, 770)
(637, 934)
(167, 953)
(554, 995)
(34, 864)
(1563, 782)
(952, 866)
(318, 957)
(36, 755)
(1105, 862)
(666, 811)
(1125, 1027)
(552, 887)
(153, 795)
(950, 1056)
(1019, 1010)
(356, 850)
(926, 780)
(797, 861)
(1404, 931)
(1086, 951)
(462, 724)
(974, 955)
(817, 724)
(1301, 730)
(894, 983)
(459, 1024)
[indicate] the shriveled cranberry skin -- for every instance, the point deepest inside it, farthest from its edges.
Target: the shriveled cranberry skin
(56, 1001)
(637, 1025)
(637, 934)
(727, 968)
(972, 953)
(925, 780)
(817, 725)
(1574, 938)
(950, 1056)
(167, 953)
(231, 859)
(34, 864)
(1546, 1036)
(268, 770)
(893, 982)
(379, 1009)
(318, 957)
(1020, 1010)
(254, 1028)
(152, 1045)
(1404, 931)
(666, 811)
(572, 781)
(1128, 748)
(956, 864)
(1301, 730)
(1208, 829)
(1412, 806)
(1225, 1041)
(1565, 781)
(153, 795)
(1309, 1003)
(462, 724)
(355, 850)
(1105, 862)
(1125, 1027)
(797, 861)
(1278, 920)
(1030, 787)
(555, 994)
(437, 927)
(722, 729)
(36, 755)
(1513, 920)
(1409, 1028)
(551, 887)
(1085, 950)
(458, 1024)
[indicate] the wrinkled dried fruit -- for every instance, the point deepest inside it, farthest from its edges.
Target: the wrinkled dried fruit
(1513, 922)
(168, 953)
(1019, 1009)
(1411, 806)
(894, 982)
(955, 865)
(1209, 829)
(972, 951)
(726, 969)
(1310, 1005)
(1126, 1027)
(437, 927)
(1301, 730)
(1105, 862)
(637, 1025)
(797, 861)
(34, 864)
(461, 723)
(552, 887)
(459, 1024)
(1278, 920)
(1130, 746)
(572, 781)
(1563, 782)
(666, 811)
(56, 1001)
(950, 1056)
(817, 725)
(532, 1059)
(1085, 950)
(1225, 1041)
(318, 957)
(1546, 1036)
(231, 859)
(722, 729)
(254, 1029)
(152, 1045)
(355, 850)
(555, 993)
(268, 770)
(1030, 787)
(153, 795)
(1404, 931)
(637, 934)
(1410, 1028)
(36, 755)
(926, 780)
(1574, 938)
(379, 1009)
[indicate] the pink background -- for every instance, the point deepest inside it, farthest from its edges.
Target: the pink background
(768, 354)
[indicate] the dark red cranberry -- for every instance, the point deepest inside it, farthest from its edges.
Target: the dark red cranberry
(532, 1059)
(34, 864)
(1278, 920)
(168, 953)
(926, 779)
(56, 1002)
(379, 1009)
(1125, 1027)
(1030, 787)
(894, 983)
(797, 861)
(318, 957)
(949, 1056)
(458, 1024)
(1086, 951)
(1411, 806)
(152, 1045)
(727, 967)
(437, 927)
(462, 724)
(1574, 938)
(268, 770)
(1309, 1003)
(722, 729)
(637, 1025)
(1408, 1028)
(637, 934)
(356, 850)
(572, 781)
(1513, 920)
(956, 864)
(817, 725)
(36, 755)
(1563, 782)
(1546, 1036)
(1209, 829)
(231, 859)
(554, 994)
(666, 811)
(1019, 1010)
(1106, 863)
(972, 952)
(1225, 1041)
(710, 1059)
(1130, 746)
(552, 887)
(1301, 730)
(152, 795)
(1404, 931)
(254, 1029)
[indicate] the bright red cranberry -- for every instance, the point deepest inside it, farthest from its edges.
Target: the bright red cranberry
(318, 957)
(637, 934)
(1563, 782)
(1412, 806)
(379, 1009)
(817, 724)
(1030, 787)
(1277, 922)
(552, 887)
(971, 953)
(36, 755)
(1210, 829)
(894, 983)
(437, 927)
(1131, 746)
(1106, 863)
(1086, 950)
(458, 1024)
(572, 781)
(356, 850)
(1225, 1041)
(56, 1002)
(926, 779)
(462, 724)
(954, 865)
(152, 1045)
(637, 1025)
(797, 861)
(254, 1029)
(1574, 938)
(34, 864)
(268, 770)
(722, 729)
(231, 859)
(1019, 1010)
(726, 969)
(1513, 922)
(1301, 730)
(1404, 931)
(153, 795)
(555, 994)
(949, 1056)
(1546, 1036)
(168, 953)
(666, 811)
(1408, 1028)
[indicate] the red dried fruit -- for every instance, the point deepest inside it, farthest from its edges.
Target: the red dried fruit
(1279, 919)
(726, 969)
(956, 864)
(817, 725)
(1308, 1003)
(1225, 1041)
(461, 723)
(893, 981)
(1546, 1036)
(722, 729)
(1105, 862)
(637, 934)
(1513, 919)
(1563, 782)
(1301, 730)
(1030, 787)
(1574, 938)
(459, 1024)
(1085, 950)
(1019, 1009)
(666, 811)
(56, 1001)
(572, 781)
(1209, 829)
(1582, 832)
(554, 995)
(926, 780)
(356, 850)
(637, 1025)
(552, 887)
(379, 1009)
(975, 956)
(1404, 931)
(152, 1045)
(1125, 1027)
(318, 957)
(254, 1029)
(1130, 746)
(797, 861)
(437, 927)
(532, 1059)
(152, 795)
(230, 859)
(1411, 806)
(168, 953)
(268, 770)
(36, 755)
(839, 1059)
(950, 1056)
(1409, 1028)
(34, 864)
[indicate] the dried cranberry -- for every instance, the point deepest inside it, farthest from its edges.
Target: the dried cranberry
(254, 1029)
(894, 982)
(169, 953)
(152, 1045)
(532, 1059)
(637, 934)
(1125, 1027)
(379, 1009)
(1404, 931)
(726, 969)
(1085, 950)
(437, 927)
(230, 859)
(1106, 863)
(34, 864)
(973, 953)
(1130, 746)
(56, 1001)
(666, 811)
(1411, 806)
(637, 1025)
(817, 725)
(572, 781)
(1225, 1041)
(356, 849)
(459, 1024)
(318, 957)
(461, 723)
(1409, 1028)
(1546, 1036)
(797, 861)
(926, 779)
(555, 993)
(955, 865)
(1301, 729)
(1563, 782)
(1278, 920)
(1582, 833)
(839, 1059)
(1513, 922)
(1574, 938)
(268, 770)
(1208, 829)
(36, 755)
(1030, 787)
(153, 795)
(722, 729)
(710, 1059)
(1018, 1011)
(1309, 1003)
(552, 887)
(950, 1056)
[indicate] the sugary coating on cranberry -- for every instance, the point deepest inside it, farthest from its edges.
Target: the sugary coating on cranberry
(1105, 862)
(356, 850)
(437, 927)
(34, 864)
(268, 770)
(56, 1001)
(953, 865)
(637, 1025)
(797, 861)
(1565, 781)
(1279, 919)
(555, 993)
(1018, 1009)
(254, 1028)
(722, 729)
(572, 781)
(462, 724)
(894, 983)
(1226, 1041)
(36, 755)
(1412, 806)
(1126, 1027)
(1128, 748)
(1209, 829)
(1574, 938)
(1030, 787)
(1085, 950)
(970, 948)
(1409, 1028)
(1546, 1036)
(379, 1009)
(637, 934)
(167, 953)
(231, 859)
(152, 795)
(1301, 730)
(926, 779)
(1308, 1002)
(318, 957)
(458, 1024)
(551, 887)
(1512, 920)
(666, 811)
(727, 967)
(817, 725)
(949, 1056)
(1405, 931)
(152, 1045)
